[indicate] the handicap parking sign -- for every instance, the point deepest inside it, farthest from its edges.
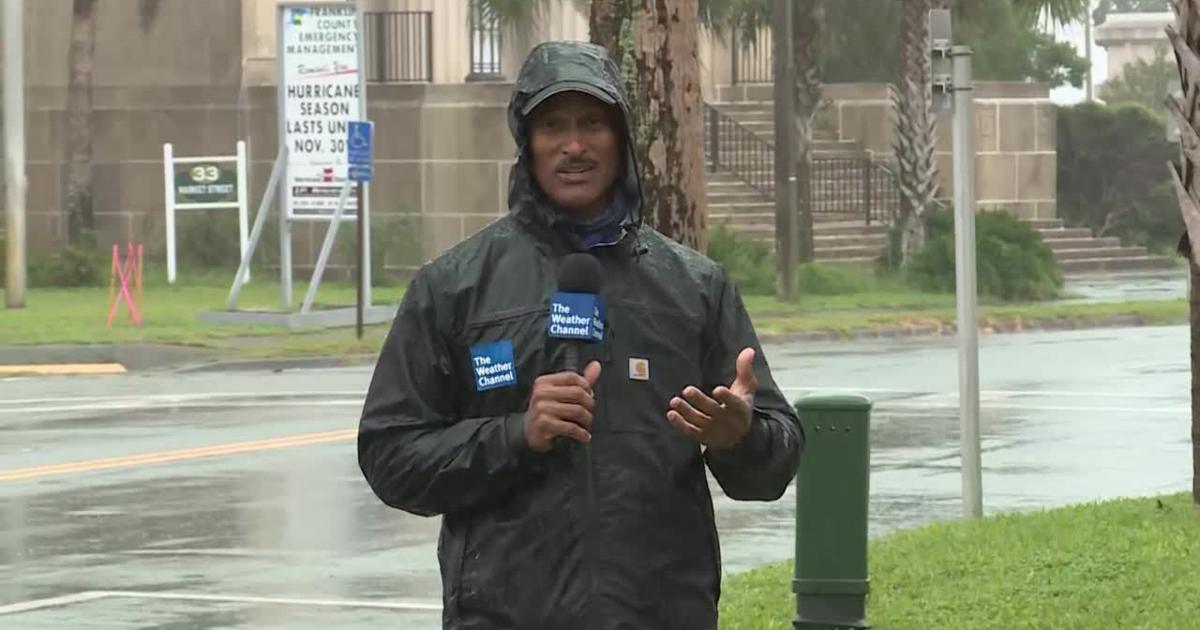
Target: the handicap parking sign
(359, 150)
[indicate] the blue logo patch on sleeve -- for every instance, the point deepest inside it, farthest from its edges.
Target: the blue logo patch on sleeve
(493, 365)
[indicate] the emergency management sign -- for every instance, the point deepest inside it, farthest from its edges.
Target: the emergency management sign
(320, 96)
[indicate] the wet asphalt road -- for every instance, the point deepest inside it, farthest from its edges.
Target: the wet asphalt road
(233, 500)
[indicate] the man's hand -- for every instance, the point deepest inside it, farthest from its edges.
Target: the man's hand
(561, 405)
(723, 420)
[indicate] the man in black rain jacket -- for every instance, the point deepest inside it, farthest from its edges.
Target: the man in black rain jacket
(574, 501)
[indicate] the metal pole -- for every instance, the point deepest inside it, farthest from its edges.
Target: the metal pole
(285, 196)
(1087, 50)
(362, 237)
(326, 248)
(260, 219)
(169, 207)
(364, 197)
(243, 202)
(14, 153)
(785, 149)
(964, 248)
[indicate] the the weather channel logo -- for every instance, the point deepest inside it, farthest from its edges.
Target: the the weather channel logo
(493, 365)
(577, 316)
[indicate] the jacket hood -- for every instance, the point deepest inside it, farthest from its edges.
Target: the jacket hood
(554, 67)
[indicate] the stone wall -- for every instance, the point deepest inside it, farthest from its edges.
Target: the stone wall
(1015, 141)
(443, 157)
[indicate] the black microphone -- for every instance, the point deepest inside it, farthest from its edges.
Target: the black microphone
(576, 310)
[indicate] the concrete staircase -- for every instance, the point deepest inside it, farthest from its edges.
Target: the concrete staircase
(847, 238)
(1077, 251)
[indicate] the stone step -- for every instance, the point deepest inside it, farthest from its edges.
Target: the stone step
(736, 196)
(871, 241)
(1099, 252)
(738, 219)
(1129, 263)
(1060, 244)
(1045, 224)
(728, 208)
(750, 115)
(865, 261)
(746, 106)
(1061, 233)
(842, 253)
(838, 228)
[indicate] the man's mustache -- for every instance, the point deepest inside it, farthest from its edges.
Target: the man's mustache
(572, 164)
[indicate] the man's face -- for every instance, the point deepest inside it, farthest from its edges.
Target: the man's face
(574, 144)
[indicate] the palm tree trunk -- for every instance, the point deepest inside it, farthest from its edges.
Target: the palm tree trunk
(807, 19)
(666, 34)
(605, 21)
(81, 224)
(915, 138)
(1185, 38)
(1194, 307)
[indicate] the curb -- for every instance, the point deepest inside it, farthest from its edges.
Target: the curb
(140, 357)
(925, 331)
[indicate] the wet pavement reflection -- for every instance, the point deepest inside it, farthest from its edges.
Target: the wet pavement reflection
(264, 529)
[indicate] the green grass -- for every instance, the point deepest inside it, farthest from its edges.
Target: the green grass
(1124, 564)
(884, 311)
(77, 316)
(65, 316)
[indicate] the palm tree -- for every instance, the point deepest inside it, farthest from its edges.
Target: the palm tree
(915, 131)
(666, 57)
(1185, 38)
(81, 224)
(915, 125)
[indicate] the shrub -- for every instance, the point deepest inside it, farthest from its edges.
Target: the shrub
(749, 263)
(1012, 261)
(72, 266)
(819, 279)
(1113, 176)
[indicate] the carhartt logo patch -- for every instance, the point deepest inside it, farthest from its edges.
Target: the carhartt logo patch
(639, 369)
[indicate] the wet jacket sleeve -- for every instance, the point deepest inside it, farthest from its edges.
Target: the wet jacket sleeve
(414, 451)
(761, 466)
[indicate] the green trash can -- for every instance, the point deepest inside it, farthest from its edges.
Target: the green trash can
(832, 486)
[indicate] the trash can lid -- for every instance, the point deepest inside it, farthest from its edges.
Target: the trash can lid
(839, 402)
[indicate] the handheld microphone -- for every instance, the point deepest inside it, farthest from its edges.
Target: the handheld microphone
(576, 310)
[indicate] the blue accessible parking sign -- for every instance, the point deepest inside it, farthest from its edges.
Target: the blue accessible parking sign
(360, 150)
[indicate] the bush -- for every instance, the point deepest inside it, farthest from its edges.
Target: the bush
(1113, 176)
(71, 266)
(819, 279)
(207, 240)
(749, 263)
(1012, 261)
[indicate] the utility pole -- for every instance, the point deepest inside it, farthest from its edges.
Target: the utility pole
(786, 210)
(964, 255)
(14, 153)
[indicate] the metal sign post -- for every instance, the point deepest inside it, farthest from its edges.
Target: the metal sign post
(360, 147)
(964, 250)
(205, 186)
(14, 153)
(951, 92)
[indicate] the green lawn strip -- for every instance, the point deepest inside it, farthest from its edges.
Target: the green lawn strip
(69, 316)
(1006, 317)
(1121, 564)
(77, 316)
